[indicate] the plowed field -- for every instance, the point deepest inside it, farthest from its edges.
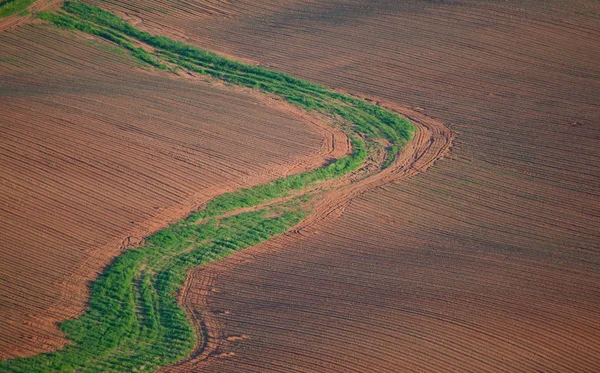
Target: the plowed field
(96, 153)
(487, 262)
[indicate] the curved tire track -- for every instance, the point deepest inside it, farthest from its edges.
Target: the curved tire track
(431, 141)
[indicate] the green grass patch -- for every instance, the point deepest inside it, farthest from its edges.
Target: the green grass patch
(10, 7)
(390, 156)
(282, 187)
(71, 22)
(369, 120)
(134, 323)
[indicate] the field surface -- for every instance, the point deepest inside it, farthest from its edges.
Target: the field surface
(487, 262)
(97, 153)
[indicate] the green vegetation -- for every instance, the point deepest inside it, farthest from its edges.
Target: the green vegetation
(73, 23)
(10, 7)
(280, 188)
(366, 119)
(133, 323)
(391, 155)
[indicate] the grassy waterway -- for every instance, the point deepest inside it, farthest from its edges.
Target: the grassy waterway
(10, 7)
(134, 323)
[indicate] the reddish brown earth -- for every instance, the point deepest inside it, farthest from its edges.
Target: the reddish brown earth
(96, 153)
(487, 262)
(431, 142)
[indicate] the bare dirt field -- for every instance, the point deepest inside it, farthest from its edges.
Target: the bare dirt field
(487, 262)
(96, 153)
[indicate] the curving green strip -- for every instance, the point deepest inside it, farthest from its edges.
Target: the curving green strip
(134, 323)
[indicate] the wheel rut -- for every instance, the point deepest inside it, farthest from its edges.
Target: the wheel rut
(431, 142)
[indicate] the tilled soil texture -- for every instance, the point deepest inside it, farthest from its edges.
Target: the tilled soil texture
(489, 261)
(97, 153)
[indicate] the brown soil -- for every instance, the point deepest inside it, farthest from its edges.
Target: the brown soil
(488, 262)
(431, 142)
(96, 154)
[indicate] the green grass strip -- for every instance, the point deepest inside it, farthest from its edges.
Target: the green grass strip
(367, 119)
(134, 323)
(70, 22)
(282, 187)
(10, 7)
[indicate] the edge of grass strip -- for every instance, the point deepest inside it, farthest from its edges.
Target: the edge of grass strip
(133, 323)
